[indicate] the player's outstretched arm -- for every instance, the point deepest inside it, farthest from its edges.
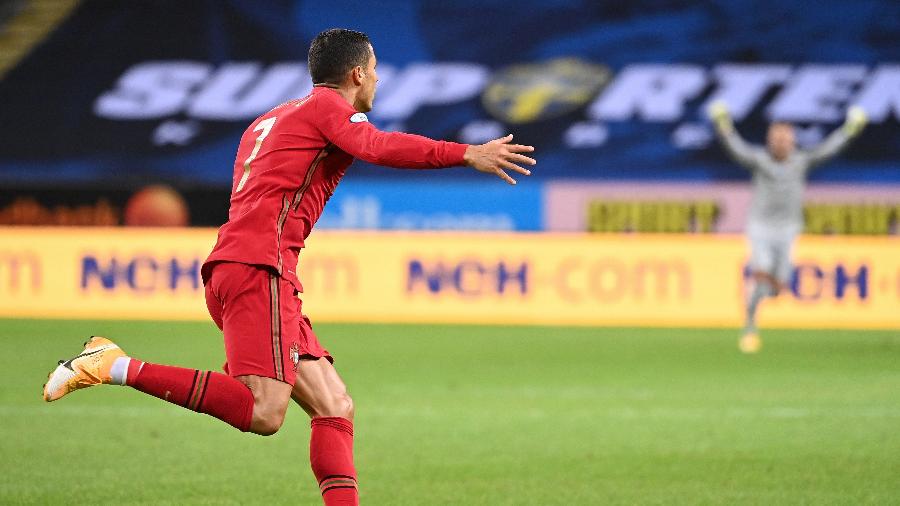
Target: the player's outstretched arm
(736, 147)
(853, 125)
(351, 132)
(498, 156)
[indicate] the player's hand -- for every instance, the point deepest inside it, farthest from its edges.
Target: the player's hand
(856, 120)
(718, 113)
(498, 156)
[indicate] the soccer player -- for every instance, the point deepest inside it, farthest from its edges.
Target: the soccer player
(776, 210)
(288, 163)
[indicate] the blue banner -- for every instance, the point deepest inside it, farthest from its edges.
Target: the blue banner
(126, 92)
(421, 204)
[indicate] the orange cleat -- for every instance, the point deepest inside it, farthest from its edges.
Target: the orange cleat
(89, 368)
(750, 342)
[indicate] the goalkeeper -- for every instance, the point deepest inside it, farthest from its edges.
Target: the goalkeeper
(776, 210)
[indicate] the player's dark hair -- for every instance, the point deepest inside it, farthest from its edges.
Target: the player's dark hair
(335, 52)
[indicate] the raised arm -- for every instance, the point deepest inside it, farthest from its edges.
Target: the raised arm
(839, 139)
(352, 133)
(742, 152)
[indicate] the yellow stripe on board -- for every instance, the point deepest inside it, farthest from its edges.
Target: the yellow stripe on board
(518, 279)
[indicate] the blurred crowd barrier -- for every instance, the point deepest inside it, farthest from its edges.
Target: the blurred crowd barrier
(486, 205)
(506, 278)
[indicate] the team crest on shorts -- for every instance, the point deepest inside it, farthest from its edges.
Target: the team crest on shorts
(295, 354)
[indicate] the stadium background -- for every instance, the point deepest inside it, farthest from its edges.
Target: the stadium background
(629, 229)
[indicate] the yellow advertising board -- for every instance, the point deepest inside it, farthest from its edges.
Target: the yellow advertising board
(558, 279)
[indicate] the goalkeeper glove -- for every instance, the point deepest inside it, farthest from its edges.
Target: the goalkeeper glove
(856, 121)
(718, 113)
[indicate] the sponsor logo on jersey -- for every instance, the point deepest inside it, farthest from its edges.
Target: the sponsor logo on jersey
(359, 118)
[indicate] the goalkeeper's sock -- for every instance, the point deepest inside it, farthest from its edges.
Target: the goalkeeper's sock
(761, 289)
(331, 457)
(208, 392)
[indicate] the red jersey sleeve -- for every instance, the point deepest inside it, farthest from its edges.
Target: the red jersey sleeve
(351, 131)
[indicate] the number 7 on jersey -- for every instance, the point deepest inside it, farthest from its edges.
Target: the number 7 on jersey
(266, 126)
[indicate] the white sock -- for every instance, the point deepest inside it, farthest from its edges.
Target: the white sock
(119, 370)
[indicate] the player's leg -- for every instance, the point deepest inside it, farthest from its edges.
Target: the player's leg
(760, 285)
(320, 391)
(270, 401)
(249, 403)
(246, 303)
(783, 268)
(255, 401)
(770, 272)
(236, 402)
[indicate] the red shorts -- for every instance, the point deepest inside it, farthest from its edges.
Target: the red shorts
(266, 333)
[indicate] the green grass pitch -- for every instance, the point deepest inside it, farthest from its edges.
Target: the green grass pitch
(479, 415)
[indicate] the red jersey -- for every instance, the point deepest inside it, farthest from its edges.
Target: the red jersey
(289, 162)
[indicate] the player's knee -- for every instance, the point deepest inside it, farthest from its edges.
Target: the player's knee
(268, 415)
(346, 406)
(341, 405)
(266, 428)
(267, 422)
